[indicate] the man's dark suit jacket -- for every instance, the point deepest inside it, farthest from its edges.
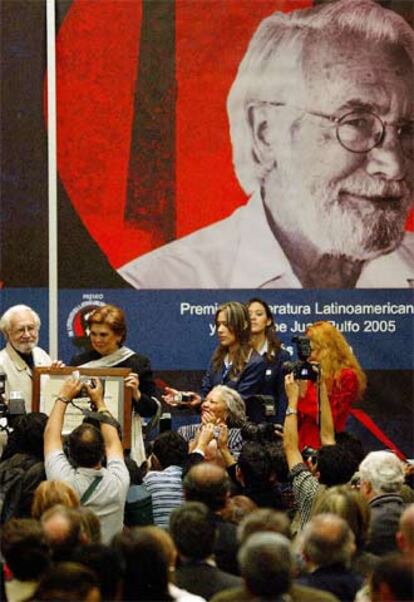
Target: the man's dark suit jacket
(226, 546)
(204, 579)
(297, 593)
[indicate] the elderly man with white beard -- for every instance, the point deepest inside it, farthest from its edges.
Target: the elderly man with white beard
(20, 326)
(321, 123)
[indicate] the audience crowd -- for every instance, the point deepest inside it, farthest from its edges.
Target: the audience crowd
(86, 523)
(225, 510)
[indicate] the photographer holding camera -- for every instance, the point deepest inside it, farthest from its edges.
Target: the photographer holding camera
(103, 490)
(326, 360)
(332, 464)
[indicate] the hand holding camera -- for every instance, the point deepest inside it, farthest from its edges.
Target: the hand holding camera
(174, 398)
(85, 381)
(183, 398)
(71, 386)
(292, 389)
(94, 390)
(302, 368)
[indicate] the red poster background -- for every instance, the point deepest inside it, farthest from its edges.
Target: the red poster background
(97, 58)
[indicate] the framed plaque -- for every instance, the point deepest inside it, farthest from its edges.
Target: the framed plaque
(47, 383)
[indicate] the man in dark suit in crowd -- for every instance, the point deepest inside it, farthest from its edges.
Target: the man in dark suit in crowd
(328, 547)
(193, 529)
(266, 565)
(210, 484)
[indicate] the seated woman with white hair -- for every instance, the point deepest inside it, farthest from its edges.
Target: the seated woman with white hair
(226, 411)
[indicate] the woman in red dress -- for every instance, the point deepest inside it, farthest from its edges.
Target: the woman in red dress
(342, 376)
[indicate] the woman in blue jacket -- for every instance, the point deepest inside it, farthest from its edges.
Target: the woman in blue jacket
(264, 339)
(234, 363)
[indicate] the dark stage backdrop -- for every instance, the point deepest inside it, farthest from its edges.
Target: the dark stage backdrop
(144, 157)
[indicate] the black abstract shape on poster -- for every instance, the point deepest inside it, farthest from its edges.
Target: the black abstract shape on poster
(24, 186)
(151, 176)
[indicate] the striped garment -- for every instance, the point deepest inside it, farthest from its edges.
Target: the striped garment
(235, 441)
(166, 488)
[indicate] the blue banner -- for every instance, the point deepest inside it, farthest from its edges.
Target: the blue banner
(176, 328)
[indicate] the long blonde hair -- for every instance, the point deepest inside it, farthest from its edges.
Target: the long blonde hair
(334, 354)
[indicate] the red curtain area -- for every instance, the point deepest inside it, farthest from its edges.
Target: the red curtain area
(98, 54)
(369, 424)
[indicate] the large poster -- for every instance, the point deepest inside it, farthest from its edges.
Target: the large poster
(199, 161)
(146, 154)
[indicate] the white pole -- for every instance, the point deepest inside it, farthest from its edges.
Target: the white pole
(52, 177)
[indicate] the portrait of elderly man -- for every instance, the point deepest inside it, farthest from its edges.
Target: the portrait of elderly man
(321, 124)
(20, 327)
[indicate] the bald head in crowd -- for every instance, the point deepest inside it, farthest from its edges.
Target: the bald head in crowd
(328, 540)
(209, 484)
(62, 528)
(264, 519)
(266, 564)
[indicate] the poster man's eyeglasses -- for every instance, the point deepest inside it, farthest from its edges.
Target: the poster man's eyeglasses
(361, 131)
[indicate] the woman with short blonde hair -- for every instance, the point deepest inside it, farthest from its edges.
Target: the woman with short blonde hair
(51, 493)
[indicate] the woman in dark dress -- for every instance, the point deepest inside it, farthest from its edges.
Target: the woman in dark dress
(107, 334)
(264, 339)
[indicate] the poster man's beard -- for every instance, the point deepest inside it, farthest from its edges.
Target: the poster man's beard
(331, 219)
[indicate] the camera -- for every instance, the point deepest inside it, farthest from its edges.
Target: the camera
(182, 397)
(11, 409)
(165, 422)
(14, 407)
(310, 453)
(262, 432)
(302, 369)
(90, 382)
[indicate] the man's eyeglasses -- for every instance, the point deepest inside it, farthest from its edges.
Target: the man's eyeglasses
(361, 131)
(25, 330)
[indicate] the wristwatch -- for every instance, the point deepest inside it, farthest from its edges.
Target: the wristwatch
(291, 411)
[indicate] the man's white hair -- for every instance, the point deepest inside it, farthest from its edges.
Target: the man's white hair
(6, 318)
(276, 57)
(383, 470)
